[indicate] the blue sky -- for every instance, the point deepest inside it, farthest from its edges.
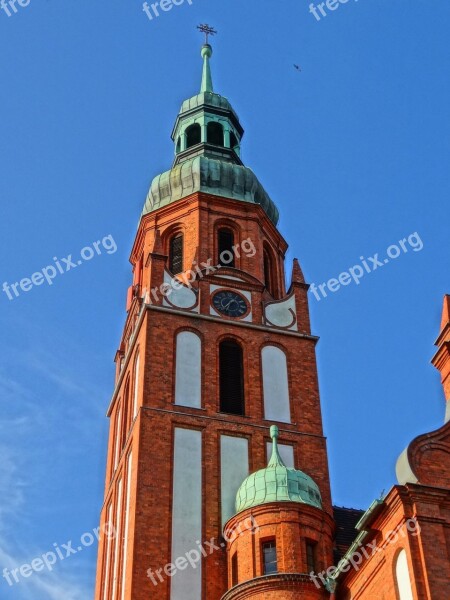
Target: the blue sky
(353, 149)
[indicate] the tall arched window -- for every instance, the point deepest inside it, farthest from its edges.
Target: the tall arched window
(402, 576)
(225, 243)
(176, 253)
(193, 135)
(214, 134)
(231, 375)
(135, 387)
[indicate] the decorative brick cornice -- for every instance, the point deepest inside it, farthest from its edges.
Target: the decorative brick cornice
(300, 582)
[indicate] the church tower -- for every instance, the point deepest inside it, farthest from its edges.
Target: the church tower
(216, 377)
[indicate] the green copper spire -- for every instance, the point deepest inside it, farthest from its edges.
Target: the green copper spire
(275, 460)
(207, 138)
(277, 483)
(207, 84)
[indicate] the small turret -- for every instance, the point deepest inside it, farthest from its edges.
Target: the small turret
(280, 537)
(277, 483)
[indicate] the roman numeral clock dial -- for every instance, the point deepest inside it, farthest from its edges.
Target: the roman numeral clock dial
(230, 304)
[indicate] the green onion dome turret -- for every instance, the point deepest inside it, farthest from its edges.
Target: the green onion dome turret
(277, 483)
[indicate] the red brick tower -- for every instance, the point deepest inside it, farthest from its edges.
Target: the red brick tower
(214, 350)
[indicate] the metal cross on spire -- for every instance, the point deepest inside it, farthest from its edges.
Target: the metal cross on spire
(207, 30)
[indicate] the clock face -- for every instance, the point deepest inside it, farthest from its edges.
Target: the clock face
(230, 303)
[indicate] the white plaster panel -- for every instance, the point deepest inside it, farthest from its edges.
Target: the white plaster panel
(118, 540)
(275, 385)
(286, 453)
(282, 314)
(187, 511)
(403, 578)
(188, 376)
(181, 295)
(234, 469)
(230, 277)
(127, 526)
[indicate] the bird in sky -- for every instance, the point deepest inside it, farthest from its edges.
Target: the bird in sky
(297, 67)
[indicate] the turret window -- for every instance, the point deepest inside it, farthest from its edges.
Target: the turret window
(234, 570)
(214, 134)
(225, 243)
(269, 555)
(176, 254)
(311, 556)
(231, 373)
(193, 135)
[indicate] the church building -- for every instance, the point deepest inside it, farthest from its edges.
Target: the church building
(217, 482)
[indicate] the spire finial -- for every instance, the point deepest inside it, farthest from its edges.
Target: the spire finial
(207, 30)
(275, 460)
(207, 84)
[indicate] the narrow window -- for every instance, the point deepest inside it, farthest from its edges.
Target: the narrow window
(127, 524)
(269, 552)
(126, 409)
(136, 387)
(310, 556)
(268, 272)
(214, 134)
(118, 531)
(233, 141)
(117, 437)
(231, 373)
(176, 254)
(234, 570)
(225, 243)
(193, 135)
(107, 545)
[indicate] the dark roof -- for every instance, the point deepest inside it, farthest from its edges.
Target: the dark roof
(346, 519)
